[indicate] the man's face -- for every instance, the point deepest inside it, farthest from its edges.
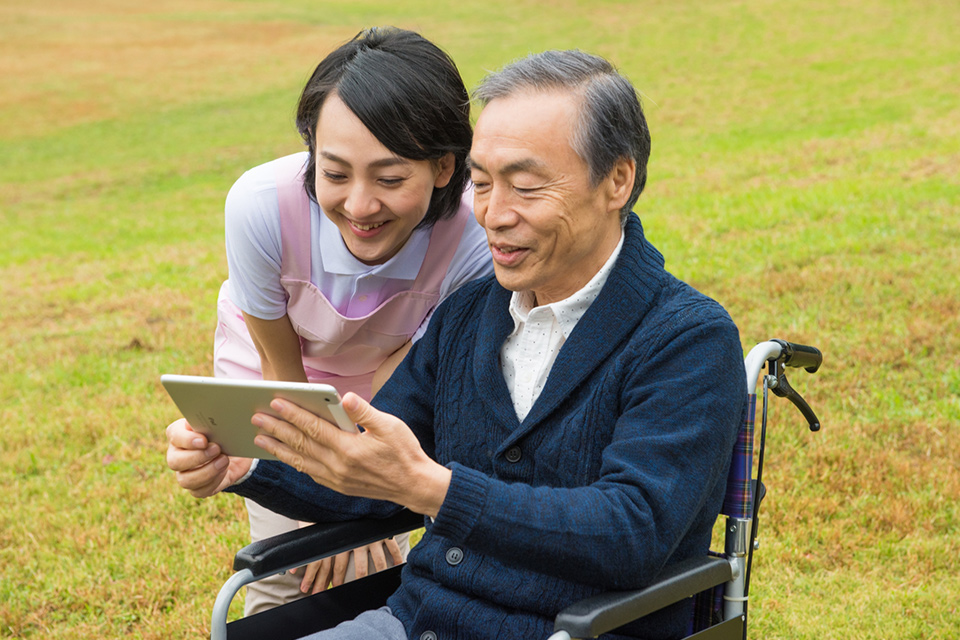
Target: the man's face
(548, 229)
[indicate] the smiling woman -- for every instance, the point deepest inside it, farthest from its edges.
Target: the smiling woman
(374, 197)
(338, 256)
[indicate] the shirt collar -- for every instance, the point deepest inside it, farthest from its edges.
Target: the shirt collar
(335, 258)
(569, 310)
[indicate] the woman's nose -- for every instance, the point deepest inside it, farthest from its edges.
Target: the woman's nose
(361, 202)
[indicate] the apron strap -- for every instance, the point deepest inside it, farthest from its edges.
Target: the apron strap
(444, 240)
(294, 217)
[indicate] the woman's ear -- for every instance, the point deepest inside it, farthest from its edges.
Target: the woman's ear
(445, 166)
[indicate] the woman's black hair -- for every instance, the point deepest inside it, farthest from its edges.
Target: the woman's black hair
(408, 93)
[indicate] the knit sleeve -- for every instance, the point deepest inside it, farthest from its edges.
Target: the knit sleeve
(282, 489)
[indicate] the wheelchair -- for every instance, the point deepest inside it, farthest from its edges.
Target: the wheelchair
(719, 582)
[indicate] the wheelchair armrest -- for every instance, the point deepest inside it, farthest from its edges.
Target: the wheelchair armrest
(302, 546)
(604, 612)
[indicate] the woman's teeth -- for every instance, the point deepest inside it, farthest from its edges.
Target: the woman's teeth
(367, 227)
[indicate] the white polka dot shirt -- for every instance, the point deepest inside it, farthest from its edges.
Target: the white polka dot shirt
(529, 352)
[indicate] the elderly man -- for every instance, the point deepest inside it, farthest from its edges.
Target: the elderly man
(566, 427)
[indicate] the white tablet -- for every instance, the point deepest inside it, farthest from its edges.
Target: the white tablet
(221, 408)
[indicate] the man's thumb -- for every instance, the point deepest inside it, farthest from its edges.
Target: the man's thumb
(361, 412)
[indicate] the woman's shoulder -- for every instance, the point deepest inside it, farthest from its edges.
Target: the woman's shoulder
(263, 177)
(254, 194)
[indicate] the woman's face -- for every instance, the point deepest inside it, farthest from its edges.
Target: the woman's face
(375, 197)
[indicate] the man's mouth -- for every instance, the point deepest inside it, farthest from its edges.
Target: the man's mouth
(506, 254)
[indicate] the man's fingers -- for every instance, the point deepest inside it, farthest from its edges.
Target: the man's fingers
(281, 439)
(296, 436)
(304, 422)
(280, 430)
(176, 426)
(299, 438)
(361, 412)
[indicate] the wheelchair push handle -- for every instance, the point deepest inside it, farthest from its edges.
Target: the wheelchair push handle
(799, 355)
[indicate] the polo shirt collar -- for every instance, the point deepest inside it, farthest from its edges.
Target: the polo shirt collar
(335, 258)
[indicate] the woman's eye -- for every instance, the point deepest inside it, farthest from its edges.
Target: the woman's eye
(391, 182)
(335, 177)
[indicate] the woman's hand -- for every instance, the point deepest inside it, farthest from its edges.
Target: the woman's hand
(332, 572)
(201, 468)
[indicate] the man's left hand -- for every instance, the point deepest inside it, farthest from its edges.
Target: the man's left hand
(385, 462)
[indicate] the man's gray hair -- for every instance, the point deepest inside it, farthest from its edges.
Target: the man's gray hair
(611, 124)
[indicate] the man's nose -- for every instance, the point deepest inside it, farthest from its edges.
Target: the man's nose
(498, 211)
(361, 202)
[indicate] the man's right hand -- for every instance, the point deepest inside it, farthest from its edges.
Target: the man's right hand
(201, 468)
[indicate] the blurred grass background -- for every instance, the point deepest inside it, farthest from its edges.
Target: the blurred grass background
(805, 172)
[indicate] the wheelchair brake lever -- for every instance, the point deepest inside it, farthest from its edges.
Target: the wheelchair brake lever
(781, 388)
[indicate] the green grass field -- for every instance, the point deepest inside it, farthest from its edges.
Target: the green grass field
(805, 173)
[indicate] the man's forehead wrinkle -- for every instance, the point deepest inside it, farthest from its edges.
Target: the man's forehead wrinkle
(523, 165)
(510, 167)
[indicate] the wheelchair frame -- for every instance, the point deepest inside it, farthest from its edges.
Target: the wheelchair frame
(589, 618)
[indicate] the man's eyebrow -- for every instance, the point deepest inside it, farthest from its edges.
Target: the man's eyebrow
(518, 166)
(391, 161)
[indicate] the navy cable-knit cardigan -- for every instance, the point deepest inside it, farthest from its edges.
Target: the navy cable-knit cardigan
(617, 471)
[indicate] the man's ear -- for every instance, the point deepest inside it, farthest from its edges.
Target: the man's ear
(446, 165)
(619, 183)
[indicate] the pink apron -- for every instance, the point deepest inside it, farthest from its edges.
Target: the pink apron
(344, 352)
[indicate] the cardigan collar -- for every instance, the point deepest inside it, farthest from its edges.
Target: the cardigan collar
(627, 296)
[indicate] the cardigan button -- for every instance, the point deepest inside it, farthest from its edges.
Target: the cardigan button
(454, 556)
(514, 454)
(428, 635)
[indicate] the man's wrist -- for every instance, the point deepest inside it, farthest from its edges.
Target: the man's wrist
(430, 490)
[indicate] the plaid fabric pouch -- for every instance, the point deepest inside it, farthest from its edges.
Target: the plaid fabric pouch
(738, 501)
